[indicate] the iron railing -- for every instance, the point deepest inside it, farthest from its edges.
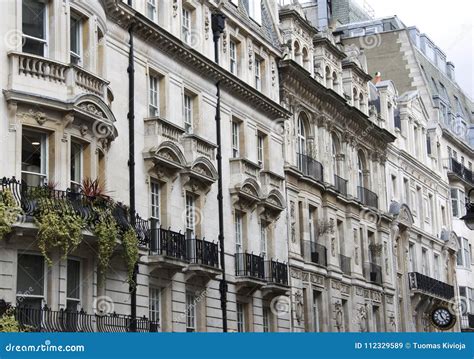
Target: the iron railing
(315, 252)
(367, 197)
(168, 243)
(203, 252)
(430, 285)
(340, 184)
(460, 170)
(47, 320)
(33, 200)
(276, 272)
(249, 265)
(310, 167)
(345, 263)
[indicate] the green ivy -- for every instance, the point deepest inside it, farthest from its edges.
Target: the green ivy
(9, 212)
(107, 231)
(130, 253)
(58, 229)
(8, 324)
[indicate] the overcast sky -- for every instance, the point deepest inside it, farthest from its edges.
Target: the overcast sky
(449, 24)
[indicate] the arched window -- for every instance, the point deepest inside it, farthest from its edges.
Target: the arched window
(301, 141)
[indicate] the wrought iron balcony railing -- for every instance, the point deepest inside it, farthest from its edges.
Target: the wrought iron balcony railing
(249, 265)
(47, 320)
(203, 252)
(276, 272)
(367, 197)
(340, 184)
(315, 252)
(430, 285)
(345, 263)
(33, 199)
(166, 242)
(461, 171)
(310, 167)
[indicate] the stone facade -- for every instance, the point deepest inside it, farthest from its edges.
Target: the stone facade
(316, 229)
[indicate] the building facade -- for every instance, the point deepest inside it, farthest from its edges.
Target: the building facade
(333, 217)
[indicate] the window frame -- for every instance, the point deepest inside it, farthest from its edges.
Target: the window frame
(188, 100)
(235, 139)
(153, 6)
(76, 57)
(27, 295)
(78, 300)
(260, 148)
(74, 183)
(241, 312)
(153, 95)
(258, 74)
(191, 312)
(233, 57)
(155, 297)
(238, 226)
(186, 24)
(44, 155)
(44, 41)
(155, 199)
(190, 206)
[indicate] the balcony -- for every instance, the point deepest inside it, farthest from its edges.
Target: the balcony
(47, 320)
(249, 272)
(168, 248)
(373, 273)
(367, 197)
(310, 167)
(52, 78)
(457, 170)
(345, 263)
(467, 323)
(426, 285)
(276, 274)
(315, 253)
(203, 259)
(341, 185)
(29, 199)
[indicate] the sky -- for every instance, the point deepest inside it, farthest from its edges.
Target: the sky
(449, 24)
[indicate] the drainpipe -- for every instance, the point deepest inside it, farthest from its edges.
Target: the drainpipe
(218, 24)
(131, 167)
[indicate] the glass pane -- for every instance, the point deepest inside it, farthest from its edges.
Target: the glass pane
(33, 18)
(75, 35)
(32, 46)
(76, 164)
(30, 274)
(32, 152)
(73, 279)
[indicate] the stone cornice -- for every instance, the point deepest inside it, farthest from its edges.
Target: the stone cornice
(352, 119)
(126, 17)
(354, 67)
(324, 41)
(283, 13)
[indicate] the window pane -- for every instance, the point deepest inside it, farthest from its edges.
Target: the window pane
(154, 304)
(33, 157)
(33, 18)
(76, 165)
(30, 278)
(73, 279)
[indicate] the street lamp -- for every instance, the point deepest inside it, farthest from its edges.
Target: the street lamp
(469, 217)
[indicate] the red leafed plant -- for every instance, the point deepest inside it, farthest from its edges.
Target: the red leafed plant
(93, 188)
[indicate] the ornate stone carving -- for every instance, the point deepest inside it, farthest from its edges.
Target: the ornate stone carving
(361, 314)
(339, 316)
(299, 306)
(92, 109)
(206, 24)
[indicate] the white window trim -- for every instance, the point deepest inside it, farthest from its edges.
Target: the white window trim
(235, 139)
(45, 282)
(260, 149)
(155, 196)
(78, 300)
(188, 112)
(233, 63)
(186, 25)
(238, 232)
(73, 54)
(81, 164)
(191, 312)
(45, 41)
(153, 95)
(158, 291)
(153, 5)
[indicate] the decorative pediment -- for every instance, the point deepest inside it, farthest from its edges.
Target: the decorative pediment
(200, 175)
(452, 242)
(168, 155)
(272, 205)
(402, 214)
(246, 195)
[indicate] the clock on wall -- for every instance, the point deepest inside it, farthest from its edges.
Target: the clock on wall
(442, 318)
